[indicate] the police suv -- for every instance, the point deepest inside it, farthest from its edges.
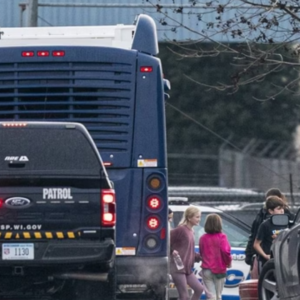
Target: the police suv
(57, 213)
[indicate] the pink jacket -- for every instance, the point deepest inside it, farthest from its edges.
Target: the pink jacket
(215, 251)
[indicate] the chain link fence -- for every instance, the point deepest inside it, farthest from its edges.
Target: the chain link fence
(253, 163)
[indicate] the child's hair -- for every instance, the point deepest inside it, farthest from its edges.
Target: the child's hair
(273, 201)
(190, 212)
(278, 193)
(213, 223)
(274, 192)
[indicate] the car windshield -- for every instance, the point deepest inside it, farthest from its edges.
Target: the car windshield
(236, 234)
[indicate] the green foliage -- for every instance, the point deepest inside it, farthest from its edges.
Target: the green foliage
(237, 114)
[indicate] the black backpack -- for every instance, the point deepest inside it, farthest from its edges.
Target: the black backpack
(249, 251)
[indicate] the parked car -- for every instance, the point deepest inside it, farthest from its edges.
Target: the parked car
(243, 211)
(279, 277)
(237, 233)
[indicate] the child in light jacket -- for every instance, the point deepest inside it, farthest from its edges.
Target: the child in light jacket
(216, 258)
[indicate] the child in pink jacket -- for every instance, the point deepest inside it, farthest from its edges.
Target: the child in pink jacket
(216, 258)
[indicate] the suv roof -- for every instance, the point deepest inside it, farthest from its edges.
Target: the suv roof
(202, 208)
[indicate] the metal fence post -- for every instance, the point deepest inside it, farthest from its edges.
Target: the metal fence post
(32, 13)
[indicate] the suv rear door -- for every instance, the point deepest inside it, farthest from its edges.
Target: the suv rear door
(50, 182)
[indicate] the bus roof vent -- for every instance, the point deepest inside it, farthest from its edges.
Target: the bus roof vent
(145, 37)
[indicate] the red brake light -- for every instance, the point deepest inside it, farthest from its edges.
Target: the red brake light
(163, 234)
(43, 53)
(58, 53)
(108, 207)
(154, 202)
(27, 53)
(153, 222)
(146, 69)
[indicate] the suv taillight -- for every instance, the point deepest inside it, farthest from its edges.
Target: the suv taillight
(108, 209)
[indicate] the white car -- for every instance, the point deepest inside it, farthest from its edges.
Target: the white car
(237, 233)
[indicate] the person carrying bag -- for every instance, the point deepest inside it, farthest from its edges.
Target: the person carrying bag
(183, 256)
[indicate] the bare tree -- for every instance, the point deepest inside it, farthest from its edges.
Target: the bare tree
(262, 37)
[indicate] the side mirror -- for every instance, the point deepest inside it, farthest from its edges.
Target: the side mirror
(280, 220)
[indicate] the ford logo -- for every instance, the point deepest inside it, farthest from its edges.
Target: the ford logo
(17, 202)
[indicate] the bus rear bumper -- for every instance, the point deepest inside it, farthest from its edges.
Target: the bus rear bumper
(142, 270)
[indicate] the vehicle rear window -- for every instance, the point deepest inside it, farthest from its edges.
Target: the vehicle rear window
(47, 151)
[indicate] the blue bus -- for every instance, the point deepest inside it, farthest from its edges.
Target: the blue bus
(110, 79)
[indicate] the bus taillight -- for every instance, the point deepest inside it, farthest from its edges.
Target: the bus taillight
(151, 242)
(154, 203)
(58, 53)
(154, 182)
(153, 222)
(108, 209)
(43, 53)
(27, 53)
(145, 69)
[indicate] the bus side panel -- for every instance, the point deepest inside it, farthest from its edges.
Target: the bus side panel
(149, 126)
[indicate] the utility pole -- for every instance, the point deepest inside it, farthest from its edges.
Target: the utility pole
(32, 13)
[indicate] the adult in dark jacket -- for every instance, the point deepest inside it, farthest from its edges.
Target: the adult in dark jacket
(250, 253)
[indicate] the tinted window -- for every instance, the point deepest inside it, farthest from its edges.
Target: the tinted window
(236, 234)
(47, 151)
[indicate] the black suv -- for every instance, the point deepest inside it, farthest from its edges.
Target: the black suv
(57, 213)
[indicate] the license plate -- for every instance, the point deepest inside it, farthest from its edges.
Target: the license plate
(17, 251)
